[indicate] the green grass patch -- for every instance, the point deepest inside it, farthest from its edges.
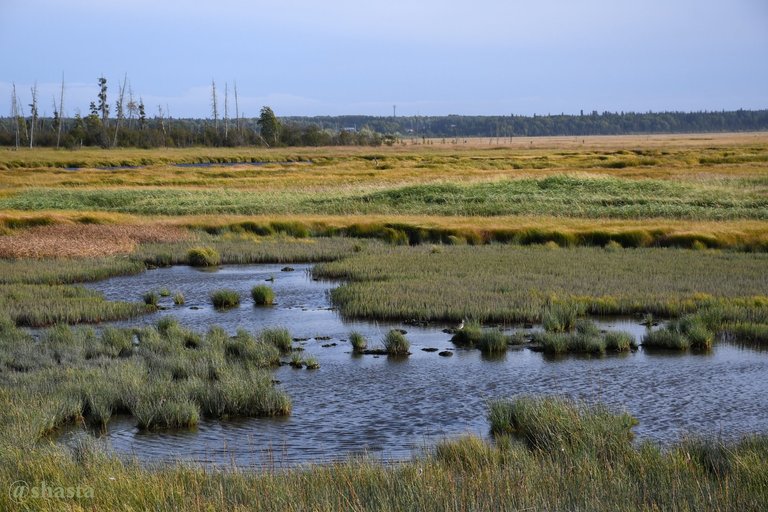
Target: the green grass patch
(225, 299)
(263, 295)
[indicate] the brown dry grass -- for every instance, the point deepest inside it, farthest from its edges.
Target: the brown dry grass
(85, 240)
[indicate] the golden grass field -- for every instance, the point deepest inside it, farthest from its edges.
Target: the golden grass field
(703, 166)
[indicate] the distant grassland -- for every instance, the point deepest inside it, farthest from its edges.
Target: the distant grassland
(562, 195)
(638, 191)
(513, 284)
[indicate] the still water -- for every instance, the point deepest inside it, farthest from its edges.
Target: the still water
(392, 409)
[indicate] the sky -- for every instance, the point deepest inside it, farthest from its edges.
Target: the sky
(428, 57)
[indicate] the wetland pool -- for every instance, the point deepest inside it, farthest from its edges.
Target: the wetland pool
(391, 409)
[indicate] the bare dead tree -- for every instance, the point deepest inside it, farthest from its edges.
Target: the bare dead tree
(15, 114)
(214, 107)
(132, 107)
(33, 114)
(237, 111)
(226, 110)
(119, 108)
(61, 113)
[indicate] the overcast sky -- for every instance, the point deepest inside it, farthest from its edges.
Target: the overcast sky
(429, 57)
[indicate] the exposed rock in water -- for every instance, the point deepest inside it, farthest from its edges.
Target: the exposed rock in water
(445, 353)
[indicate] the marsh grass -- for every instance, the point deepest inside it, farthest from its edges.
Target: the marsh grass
(151, 299)
(399, 283)
(263, 295)
(492, 341)
(225, 298)
(203, 257)
(395, 343)
(178, 299)
(468, 335)
(358, 342)
(279, 337)
(687, 332)
(561, 426)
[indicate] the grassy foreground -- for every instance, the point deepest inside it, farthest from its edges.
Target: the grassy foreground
(548, 454)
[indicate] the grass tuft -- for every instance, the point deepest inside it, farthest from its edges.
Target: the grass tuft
(263, 295)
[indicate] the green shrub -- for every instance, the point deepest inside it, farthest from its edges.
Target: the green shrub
(203, 257)
(178, 299)
(263, 295)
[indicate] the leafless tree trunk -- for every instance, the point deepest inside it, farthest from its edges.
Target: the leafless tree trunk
(33, 114)
(119, 108)
(15, 114)
(214, 107)
(132, 107)
(226, 110)
(237, 112)
(61, 113)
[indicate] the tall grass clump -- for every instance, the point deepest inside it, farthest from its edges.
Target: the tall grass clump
(560, 317)
(559, 425)
(151, 299)
(247, 349)
(492, 341)
(396, 344)
(225, 299)
(203, 257)
(619, 341)
(278, 337)
(468, 335)
(358, 342)
(263, 295)
(687, 332)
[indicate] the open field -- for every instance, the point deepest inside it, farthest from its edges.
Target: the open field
(665, 190)
(522, 230)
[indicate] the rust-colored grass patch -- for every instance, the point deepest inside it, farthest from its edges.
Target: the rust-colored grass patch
(85, 240)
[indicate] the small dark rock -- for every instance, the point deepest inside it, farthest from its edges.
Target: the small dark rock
(328, 345)
(430, 349)
(194, 307)
(322, 338)
(287, 269)
(300, 339)
(445, 353)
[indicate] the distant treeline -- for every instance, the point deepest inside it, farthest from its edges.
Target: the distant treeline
(97, 129)
(594, 123)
